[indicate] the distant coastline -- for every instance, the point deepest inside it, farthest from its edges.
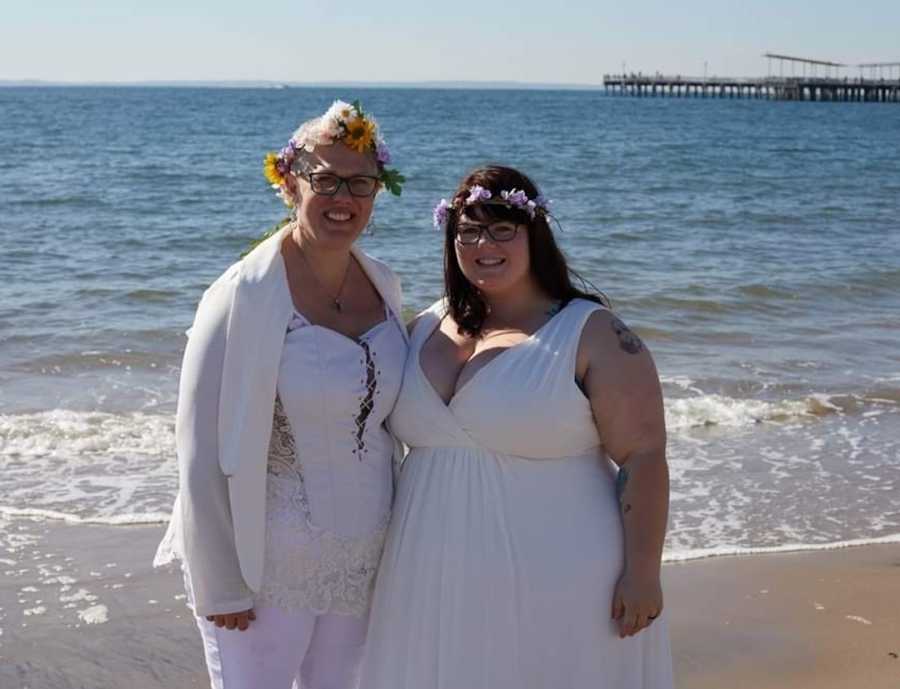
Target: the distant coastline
(449, 85)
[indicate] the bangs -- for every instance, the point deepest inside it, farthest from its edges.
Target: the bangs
(494, 212)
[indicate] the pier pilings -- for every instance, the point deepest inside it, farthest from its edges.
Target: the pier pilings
(819, 89)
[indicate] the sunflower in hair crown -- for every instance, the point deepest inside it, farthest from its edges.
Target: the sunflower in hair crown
(344, 122)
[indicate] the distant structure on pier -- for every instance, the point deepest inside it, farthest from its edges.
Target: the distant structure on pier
(818, 80)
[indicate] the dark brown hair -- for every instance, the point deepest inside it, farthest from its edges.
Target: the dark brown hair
(548, 264)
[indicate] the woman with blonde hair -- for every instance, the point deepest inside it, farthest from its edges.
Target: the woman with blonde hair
(293, 363)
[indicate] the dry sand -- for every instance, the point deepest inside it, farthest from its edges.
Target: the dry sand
(80, 606)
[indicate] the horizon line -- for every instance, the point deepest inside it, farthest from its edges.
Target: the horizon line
(278, 84)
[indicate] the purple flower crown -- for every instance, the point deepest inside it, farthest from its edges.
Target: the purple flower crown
(514, 198)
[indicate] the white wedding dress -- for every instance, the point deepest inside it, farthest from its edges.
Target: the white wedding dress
(506, 539)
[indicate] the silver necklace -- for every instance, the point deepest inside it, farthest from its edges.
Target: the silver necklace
(335, 299)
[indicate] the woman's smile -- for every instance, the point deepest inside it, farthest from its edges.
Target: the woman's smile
(490, 261)
(338, 215)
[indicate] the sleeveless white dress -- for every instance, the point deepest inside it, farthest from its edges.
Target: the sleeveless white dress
(506, 539)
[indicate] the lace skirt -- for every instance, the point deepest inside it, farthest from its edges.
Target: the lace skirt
(308, 567)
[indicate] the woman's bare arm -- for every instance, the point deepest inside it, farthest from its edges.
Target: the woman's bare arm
(621, 382)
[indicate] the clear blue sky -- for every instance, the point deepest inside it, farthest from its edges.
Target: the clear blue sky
(549, 41)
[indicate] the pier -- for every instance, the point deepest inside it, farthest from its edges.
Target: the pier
(818, 80)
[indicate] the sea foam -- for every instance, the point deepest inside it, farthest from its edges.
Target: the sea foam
(704, 553)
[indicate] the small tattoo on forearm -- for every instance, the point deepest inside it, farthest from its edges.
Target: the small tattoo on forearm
(628, 339)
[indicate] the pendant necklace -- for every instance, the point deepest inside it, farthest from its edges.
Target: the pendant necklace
(335, 299)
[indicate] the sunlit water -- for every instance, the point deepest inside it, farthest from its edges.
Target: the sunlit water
(755, 245)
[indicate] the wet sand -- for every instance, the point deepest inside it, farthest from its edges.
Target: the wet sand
(826, 619)
(80, 606)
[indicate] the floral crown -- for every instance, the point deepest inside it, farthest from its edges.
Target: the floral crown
(513, 198)
(344, 122)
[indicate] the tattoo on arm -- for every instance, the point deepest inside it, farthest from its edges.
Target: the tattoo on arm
(628, 339)
(621, 481)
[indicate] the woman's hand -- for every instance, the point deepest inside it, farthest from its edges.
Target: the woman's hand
(233, 620)
(637, 601)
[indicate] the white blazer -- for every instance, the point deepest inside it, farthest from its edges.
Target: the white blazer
(226, 397)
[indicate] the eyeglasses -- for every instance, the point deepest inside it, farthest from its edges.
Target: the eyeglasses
(328, 184)
(470, 232)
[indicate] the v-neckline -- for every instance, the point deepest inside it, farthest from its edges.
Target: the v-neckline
(449, 404)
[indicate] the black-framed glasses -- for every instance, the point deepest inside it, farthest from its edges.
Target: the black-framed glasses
(328, 184)
(471, 232)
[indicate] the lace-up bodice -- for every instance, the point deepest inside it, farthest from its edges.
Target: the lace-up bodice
(329, 482)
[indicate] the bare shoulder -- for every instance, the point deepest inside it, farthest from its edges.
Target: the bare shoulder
(604, 331)
(439, 307)
(413, 322)
(610, 347)
(621, 383)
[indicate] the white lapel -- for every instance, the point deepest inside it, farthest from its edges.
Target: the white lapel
(260, 312)
(385, 282)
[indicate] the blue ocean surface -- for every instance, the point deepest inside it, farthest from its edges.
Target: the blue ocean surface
(755, 245)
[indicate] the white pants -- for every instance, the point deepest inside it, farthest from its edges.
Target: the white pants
(284, 650)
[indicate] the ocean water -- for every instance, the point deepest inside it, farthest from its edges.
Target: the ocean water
(755, 245)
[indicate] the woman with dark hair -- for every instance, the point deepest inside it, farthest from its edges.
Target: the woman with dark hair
(526, 540)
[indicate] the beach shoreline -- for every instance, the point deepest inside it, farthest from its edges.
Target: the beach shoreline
(81, 606)
(826, 619)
